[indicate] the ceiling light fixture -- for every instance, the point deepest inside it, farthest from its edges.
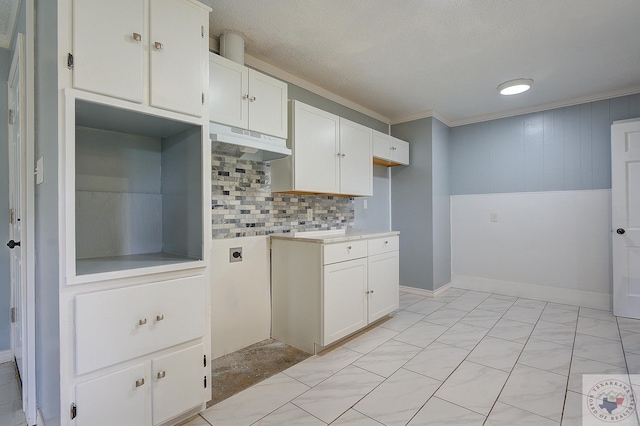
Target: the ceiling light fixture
(513, 87)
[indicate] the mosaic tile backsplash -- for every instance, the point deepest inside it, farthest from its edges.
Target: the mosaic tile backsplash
(242, 204)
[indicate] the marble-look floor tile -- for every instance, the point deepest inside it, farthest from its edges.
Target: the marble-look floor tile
(633, 362)
(317, 368)
(598, 327)
(572, 415)
(472, 294)
(547, 356)
(328, 400)
(495, 305)
(438, 412)
(511, 299)
(561, 334)
(354, 418)
(523, 314)
(496, 353)
(401, 320)
(515, 331)
(530, 303)
(255, 402)
(388, 358)
(10, 392)
(629, 324)
(506, 415)
(289, 414)
(425, 307)
(455, 291)
(408, 299)
(535, 391)
(8, 374)
(463, 336)
(561, 314)
(596, 314)
(370, 340)
(464, 303)
(11, 414)
(446, 316)
(581, 366)
(599, 349)
(473, 386)
(398, 398)
(193, 421)
(421, 334)
(630, 341)
(481, 318)
(437, 360)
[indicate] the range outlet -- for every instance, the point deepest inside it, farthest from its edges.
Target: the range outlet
(235, 254)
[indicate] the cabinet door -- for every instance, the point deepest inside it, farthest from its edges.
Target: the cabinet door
(107, 57)
(356, 159)
(177, 56)
(381, 145)
(400, 151)
(267, 105)
(315, 150)
(120, 398)
(228, 92)
(178, 383)
(384, 290)
(344, 305)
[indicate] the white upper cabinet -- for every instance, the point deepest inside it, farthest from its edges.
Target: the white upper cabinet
(154, 55)
(389, 151)
(245, 98)
(331, 155)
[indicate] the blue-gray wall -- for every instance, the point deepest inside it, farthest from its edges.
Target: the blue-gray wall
(5, 278)
(441, 205)
(376, 216)
(559, 149)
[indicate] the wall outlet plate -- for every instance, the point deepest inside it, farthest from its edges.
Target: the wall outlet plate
(235, 254)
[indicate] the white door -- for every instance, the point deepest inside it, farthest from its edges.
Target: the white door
(625, 184)
(356, 159)
(228, 92)
(267, 104)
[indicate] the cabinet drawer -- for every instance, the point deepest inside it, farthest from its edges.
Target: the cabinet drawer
(383, 245)
(344, 251)
(116, 325)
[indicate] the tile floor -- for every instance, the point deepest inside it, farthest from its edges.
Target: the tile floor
(10, 399)
(464, 358)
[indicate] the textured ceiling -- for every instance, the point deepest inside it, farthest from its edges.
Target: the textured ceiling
(404, 58)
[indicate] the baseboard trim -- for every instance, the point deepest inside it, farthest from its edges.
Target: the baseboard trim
(587, 299)
(6, 356)
(426, 293)
(39, 418)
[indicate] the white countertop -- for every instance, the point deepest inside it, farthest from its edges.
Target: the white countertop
(334, 236)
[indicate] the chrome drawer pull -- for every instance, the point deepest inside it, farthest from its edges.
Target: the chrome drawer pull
(158, 45)
(386, 242)
(159, 317)
(161, 374)
(143, 321)
(139, 382)
(348, 247)
(137, 37)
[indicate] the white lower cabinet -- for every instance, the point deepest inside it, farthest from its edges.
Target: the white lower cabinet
(323, 291)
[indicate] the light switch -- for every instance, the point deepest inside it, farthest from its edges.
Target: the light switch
(494, 216)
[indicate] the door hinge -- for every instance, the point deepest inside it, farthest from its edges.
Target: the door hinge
(205, 382)
(202, 98)
(13, 315)
(205, 360)
(74, 410)
(12, 116)
(70, 61)
(11, 219)
(202, 30)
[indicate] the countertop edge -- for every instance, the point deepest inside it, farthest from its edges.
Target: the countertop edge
(361, 235)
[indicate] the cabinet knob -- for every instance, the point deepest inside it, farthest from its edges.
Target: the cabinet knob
(136, 37)
(159, 317)
(252, 99)
(343, 155)
(386, 242)
(348, 247)
(142, 321)
(139, 382)
(158, 45)
(161, 374)
(245, 97)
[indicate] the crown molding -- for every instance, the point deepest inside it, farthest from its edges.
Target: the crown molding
(420, 115)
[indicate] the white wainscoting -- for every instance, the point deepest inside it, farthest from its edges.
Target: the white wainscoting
(544, 245)
(240, 294)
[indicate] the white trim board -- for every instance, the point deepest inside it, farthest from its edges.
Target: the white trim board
(6, 356)
(587, 299)
(424, 292)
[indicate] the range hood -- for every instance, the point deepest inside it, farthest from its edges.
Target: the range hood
(245, 144)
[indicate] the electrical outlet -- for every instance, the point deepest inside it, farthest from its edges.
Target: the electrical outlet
(235, 254)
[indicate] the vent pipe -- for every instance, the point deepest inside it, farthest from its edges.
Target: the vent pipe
(232, 47)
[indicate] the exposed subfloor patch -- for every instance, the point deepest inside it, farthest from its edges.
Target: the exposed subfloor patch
(239, 370)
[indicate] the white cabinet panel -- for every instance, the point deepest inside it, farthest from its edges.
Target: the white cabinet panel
(267, 104)
(383, 245)
(177, 60)
(400, 151)
(356, 167)
(344, 300)
(116, 325)
(344, 251)
(120, 398)
(178, 382)
(383, 284)
(107, 57)
(228, 92)
(389, 151)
